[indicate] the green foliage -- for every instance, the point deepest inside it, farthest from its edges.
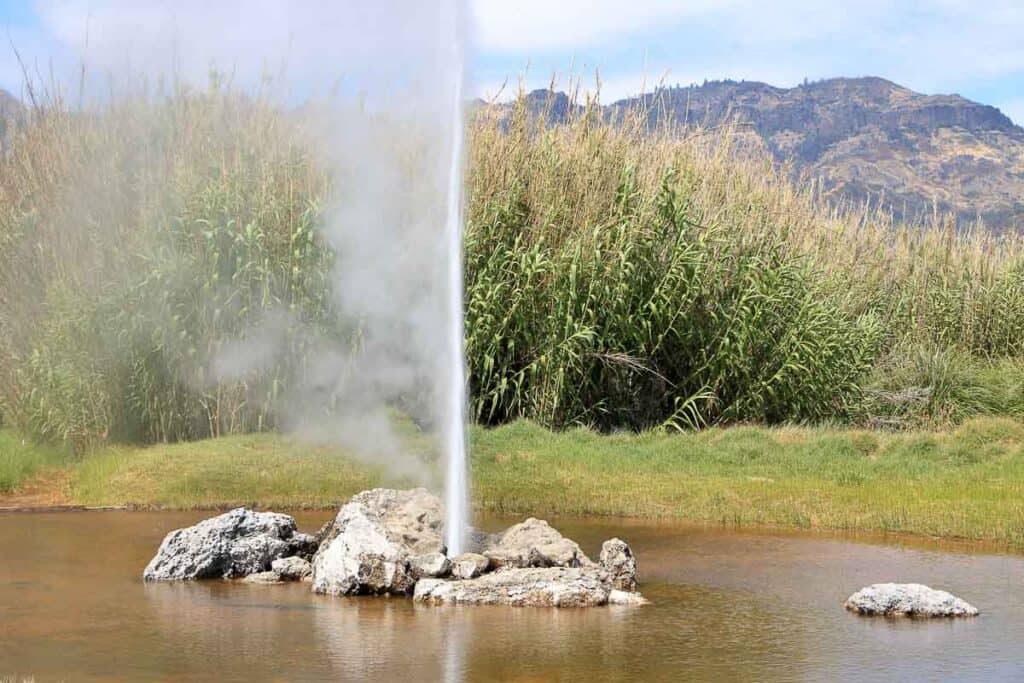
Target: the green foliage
(616, 277)
(650, 318)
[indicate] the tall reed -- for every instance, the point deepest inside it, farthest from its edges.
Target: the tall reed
(618, 274)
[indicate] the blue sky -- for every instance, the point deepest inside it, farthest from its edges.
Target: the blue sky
(972, 48)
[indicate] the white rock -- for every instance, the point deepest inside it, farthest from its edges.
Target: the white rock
(291, 568)
(908, 599)
(430, 566)
(617, 597)
(521, 587)
(469, 565)
(368, 547)
(534, 543)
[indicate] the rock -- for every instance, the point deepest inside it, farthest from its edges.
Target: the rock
(292, 568)
(368, 546)
(522, 587)
(303, 545)
(360, 558)
(534, 543)
(618, 597)
(469, 565)
(254, 554)
(263, 577)
(617, 559)
(235, 543)
(413, 517)
(908, 599)
(429, 566)
(477, 541)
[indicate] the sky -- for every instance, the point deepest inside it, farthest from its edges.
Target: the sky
(971, 48)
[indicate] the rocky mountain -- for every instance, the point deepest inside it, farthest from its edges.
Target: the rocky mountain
(870, 139)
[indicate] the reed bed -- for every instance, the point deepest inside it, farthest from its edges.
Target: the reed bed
(619, 274)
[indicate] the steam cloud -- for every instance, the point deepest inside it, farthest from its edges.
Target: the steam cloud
(372, 84)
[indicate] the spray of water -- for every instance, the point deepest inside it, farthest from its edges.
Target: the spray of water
(456, 475)
(375, 93)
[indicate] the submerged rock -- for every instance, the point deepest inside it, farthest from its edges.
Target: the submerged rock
(535, 543)
(617, 597)
(236, 543)
(292, 568)
(908, 599)
(368, 547)
(469, 565)
(263, 577)
(617, 559)
(521, 587)
(430, 566)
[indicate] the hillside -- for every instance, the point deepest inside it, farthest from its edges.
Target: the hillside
(869, 138)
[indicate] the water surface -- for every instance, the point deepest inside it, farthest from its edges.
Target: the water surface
(727, 605)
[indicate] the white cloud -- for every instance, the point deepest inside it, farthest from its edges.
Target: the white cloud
(538, 25)
(941, 46)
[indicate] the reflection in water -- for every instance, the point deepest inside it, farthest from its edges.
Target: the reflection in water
(726, 606)
(454, 643)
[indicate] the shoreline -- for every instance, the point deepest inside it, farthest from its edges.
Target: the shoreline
(964, 486)
(910, 540)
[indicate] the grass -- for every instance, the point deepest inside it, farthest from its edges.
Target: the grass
(234, 470)
(21, 459)
(967, 483)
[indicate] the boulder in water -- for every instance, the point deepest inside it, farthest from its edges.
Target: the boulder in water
(469, 565)
(292, 568)
(617, 559)
(367, 548)
(236, 543)
(429, 566)
(908, 599)
(263, 577)
(520, 587)
(302, 545)
(535, 543)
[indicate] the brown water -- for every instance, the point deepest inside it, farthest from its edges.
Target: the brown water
(726, 606)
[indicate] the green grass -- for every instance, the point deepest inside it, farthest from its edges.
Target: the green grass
(20, 459)
(262, 469)
(967, 483)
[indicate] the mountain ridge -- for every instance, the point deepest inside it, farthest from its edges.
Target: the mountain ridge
(866, 139)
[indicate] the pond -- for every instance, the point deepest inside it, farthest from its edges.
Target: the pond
(726, 605)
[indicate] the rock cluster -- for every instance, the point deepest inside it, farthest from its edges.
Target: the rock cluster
(908, 599)
(386, 541)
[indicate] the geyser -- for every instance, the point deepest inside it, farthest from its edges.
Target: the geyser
(369, 95)
(456, 466)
